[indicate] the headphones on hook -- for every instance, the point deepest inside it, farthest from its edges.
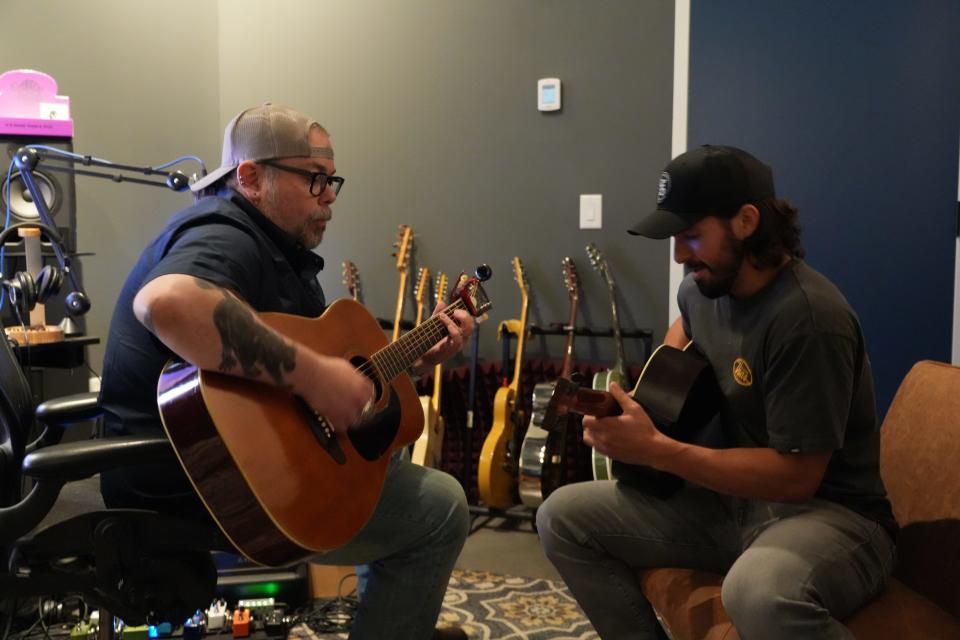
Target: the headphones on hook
(25, 290)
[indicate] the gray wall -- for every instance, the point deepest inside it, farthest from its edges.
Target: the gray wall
(431, 107)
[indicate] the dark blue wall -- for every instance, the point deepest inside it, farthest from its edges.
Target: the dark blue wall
(856, 106)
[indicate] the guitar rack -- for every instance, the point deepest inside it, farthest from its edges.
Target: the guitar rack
(557, 329)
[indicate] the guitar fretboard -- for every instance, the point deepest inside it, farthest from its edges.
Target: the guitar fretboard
(396, 357)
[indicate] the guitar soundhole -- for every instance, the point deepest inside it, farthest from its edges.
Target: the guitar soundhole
(372, 437)
(362, 365)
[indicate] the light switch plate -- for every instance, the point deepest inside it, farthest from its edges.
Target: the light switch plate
(591, 211)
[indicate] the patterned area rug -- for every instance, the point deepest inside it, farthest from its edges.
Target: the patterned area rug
(494, 607)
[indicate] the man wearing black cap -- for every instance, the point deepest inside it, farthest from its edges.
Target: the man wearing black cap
(793, 509)
(246, 246)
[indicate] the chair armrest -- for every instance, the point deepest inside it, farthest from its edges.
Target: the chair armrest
(72, 408)
(78, 460)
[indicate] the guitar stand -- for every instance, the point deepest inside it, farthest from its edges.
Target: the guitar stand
(558, 329)
(517, 513)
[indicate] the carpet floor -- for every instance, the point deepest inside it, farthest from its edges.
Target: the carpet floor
(490, 606)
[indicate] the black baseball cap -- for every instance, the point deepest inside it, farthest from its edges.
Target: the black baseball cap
(712, 180)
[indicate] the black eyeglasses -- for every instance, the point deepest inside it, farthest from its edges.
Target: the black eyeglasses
(318, 180)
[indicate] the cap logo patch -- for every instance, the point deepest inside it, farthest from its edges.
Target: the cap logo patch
(742, 373)
(663, 189)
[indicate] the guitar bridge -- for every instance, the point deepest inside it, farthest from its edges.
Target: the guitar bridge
(322, 431)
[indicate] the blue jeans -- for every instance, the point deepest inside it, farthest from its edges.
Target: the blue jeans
(406, 552)
(792, 570)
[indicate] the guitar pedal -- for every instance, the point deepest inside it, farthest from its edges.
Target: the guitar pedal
(241, 623)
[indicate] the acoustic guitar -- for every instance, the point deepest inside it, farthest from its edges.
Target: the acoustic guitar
(602, 465)
(543, 453)
(276, 477)
(351, 279)
(497, 470)
(402, 249)
(677, 388)
(428, 448)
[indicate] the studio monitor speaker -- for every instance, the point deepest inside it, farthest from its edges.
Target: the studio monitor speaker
(56, 187)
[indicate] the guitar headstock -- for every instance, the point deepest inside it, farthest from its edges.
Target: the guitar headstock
(440, 289)
(351, 278)
(470, 290)
(599, 263)
(403, 247)
(570, 279)
(520, 275)
(423, 284)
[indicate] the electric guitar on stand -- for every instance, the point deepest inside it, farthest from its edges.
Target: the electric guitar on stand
(428, 449)
(275, 476)
(497, 472)
(351, 278)
(601, 464)
(404, 246)
(543, 453)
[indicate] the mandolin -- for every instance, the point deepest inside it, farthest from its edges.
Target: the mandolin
(278, 480)
(543, 453)
(497, 470)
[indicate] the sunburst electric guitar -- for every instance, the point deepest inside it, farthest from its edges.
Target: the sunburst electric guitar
(679, 391)
(601, 464)
(402, 249)
(497, 471)
(279, 481)
(543, 453)
(428, 448)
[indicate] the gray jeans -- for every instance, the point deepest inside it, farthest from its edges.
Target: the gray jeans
(792, 571)
(406, 553)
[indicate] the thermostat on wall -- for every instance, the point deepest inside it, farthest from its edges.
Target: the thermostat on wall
(548, 94)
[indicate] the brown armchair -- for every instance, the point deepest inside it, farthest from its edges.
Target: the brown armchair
(920, 464)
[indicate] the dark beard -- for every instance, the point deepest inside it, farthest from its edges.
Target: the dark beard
(725, 273)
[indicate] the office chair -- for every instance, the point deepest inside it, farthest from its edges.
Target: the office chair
(138, 565)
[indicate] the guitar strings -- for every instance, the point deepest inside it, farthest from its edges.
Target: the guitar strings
(391, 360)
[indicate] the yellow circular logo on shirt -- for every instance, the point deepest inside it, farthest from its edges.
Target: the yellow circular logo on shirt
(742, 373)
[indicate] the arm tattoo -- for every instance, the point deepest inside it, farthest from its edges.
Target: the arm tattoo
(249, 344)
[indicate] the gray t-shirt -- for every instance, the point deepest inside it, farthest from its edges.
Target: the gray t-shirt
(793, 366)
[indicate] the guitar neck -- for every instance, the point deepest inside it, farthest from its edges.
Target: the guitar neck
(568, 353)
(396, 357)
(589, 402)
(401, 294)
(621, 363)
(568, 397)
(521, 342)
